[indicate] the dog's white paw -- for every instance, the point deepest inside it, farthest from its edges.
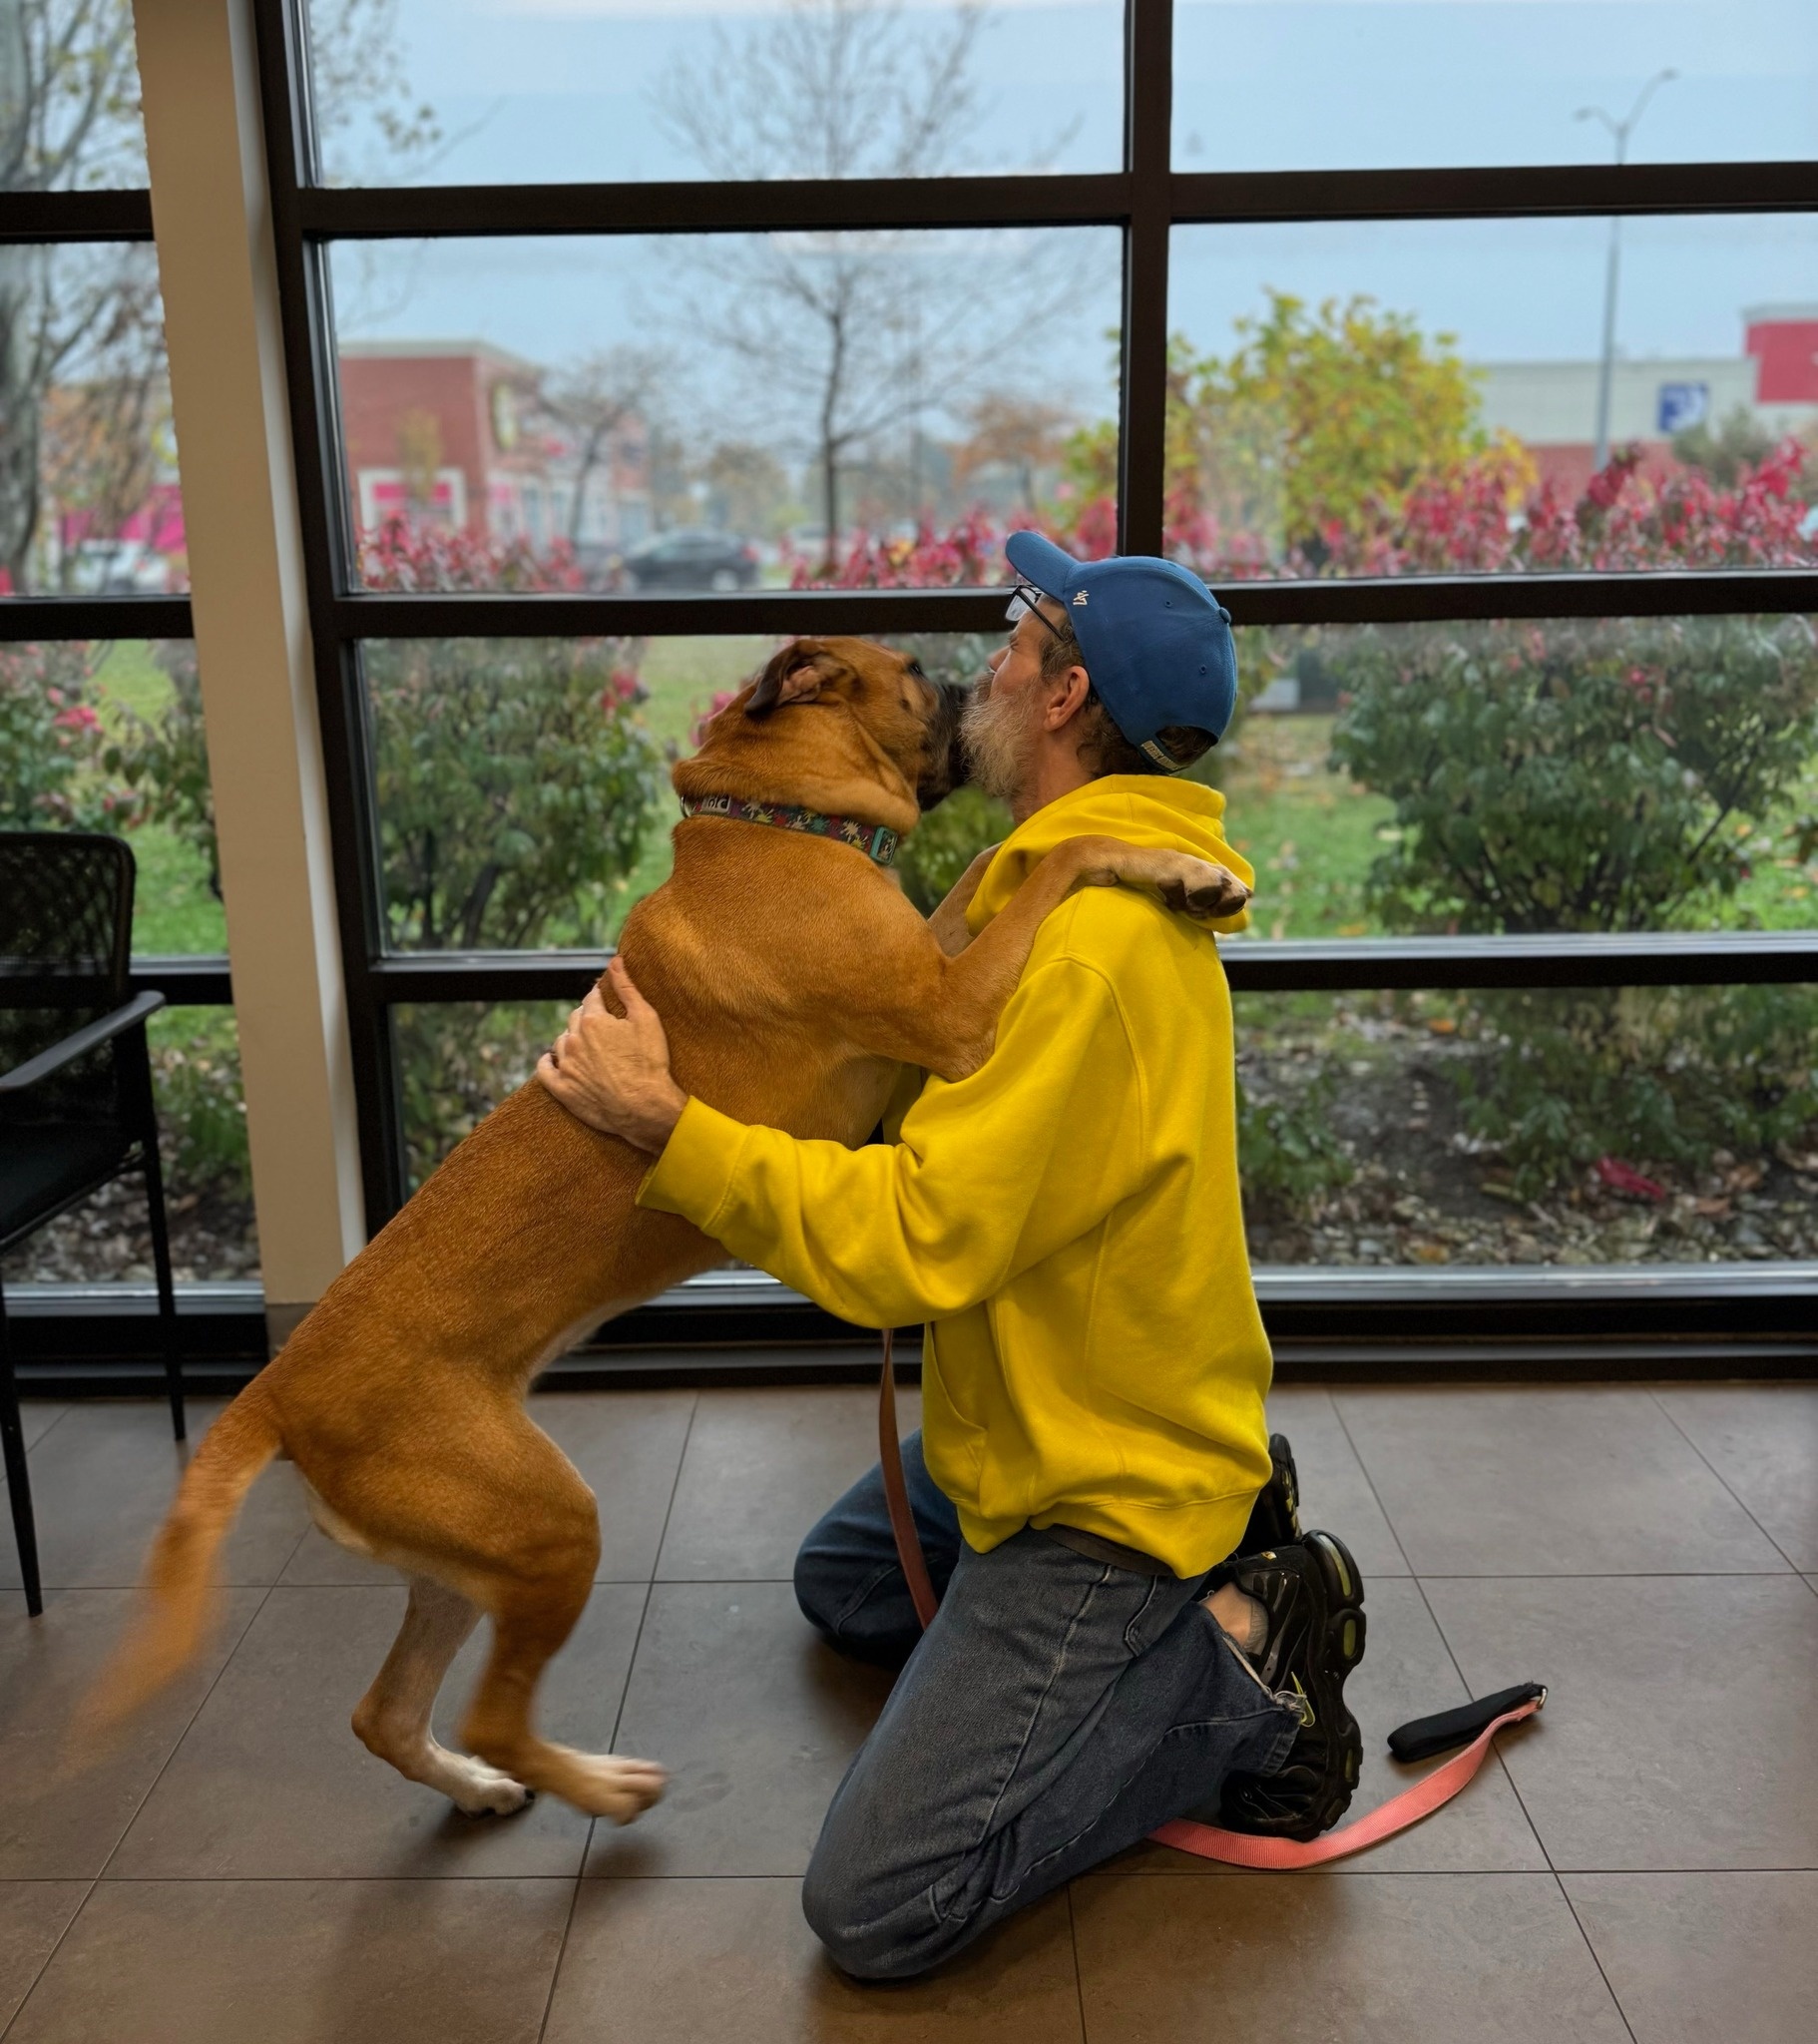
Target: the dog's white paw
(479, 1791)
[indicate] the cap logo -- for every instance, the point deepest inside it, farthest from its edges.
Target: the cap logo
(1079, 599)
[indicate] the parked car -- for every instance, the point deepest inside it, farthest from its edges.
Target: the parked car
(117, 567)
(691, 557)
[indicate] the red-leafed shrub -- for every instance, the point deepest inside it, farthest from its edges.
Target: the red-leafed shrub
(60, 767)
(513, 783)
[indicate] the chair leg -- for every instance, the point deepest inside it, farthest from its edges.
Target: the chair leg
(160, 1248)
(18, 1482)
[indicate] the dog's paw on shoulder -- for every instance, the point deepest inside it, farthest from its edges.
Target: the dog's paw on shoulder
(1209, 895)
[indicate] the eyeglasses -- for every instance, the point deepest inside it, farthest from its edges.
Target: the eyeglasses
(1026, 603)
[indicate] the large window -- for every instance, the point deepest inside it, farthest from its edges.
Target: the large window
(101, 725)
(1282, 85)
(467, 92)
(1468, 353)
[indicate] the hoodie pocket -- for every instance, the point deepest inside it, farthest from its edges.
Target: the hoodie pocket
(952, 1442)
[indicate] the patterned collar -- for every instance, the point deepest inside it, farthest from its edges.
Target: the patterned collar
(876, 841)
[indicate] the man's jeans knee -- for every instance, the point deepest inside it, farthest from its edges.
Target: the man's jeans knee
(866, 1950)
(848, 1581)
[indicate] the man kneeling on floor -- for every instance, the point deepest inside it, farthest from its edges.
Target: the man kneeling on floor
(1131, 1625)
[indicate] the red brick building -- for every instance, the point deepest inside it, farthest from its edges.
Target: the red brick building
(455, 433)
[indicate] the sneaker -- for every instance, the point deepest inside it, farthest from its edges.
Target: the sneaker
(1313, 1594)
(1275, 1516)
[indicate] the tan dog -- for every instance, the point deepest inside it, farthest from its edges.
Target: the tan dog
(793, 978)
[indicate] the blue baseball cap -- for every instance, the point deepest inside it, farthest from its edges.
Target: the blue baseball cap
(1157, 642)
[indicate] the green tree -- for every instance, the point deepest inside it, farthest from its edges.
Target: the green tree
(1319, 423)
(1736, 443)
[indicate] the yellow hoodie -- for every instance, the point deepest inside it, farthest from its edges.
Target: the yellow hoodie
(1067, 1220)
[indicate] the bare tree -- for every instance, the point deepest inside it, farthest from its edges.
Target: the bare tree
(68, 102)
(855, 332)
(1006, 431)
(594, 399)
(89, 314)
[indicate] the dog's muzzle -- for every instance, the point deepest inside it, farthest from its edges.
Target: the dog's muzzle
(948, 768)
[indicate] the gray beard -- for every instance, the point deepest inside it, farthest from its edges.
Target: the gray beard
(998, 734)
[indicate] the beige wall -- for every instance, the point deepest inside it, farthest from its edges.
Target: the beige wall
(211, 216)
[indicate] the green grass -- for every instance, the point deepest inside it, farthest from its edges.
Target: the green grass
(1781, 892)
(681, 676)
(685, 675)
(130, 677)
(174, 909)
(1310, 833)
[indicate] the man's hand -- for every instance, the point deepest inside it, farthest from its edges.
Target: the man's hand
(612, 1074)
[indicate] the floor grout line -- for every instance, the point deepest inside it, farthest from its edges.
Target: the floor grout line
(50, 1957)
(568, 1924)
(1741, 1502)
(1344, 1427)
(1426, 1601)
(1608, 1988)
(226, 1661)
(1079, 1984)
(62, 1415)
(669, 1511)
(630, 1668)
(1359, 1871)
(754, 1582)
(1502, 1763)
(1533, 1829)
(1609, 1576)
(646, 1874)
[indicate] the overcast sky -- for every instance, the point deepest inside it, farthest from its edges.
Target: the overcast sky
(562, 89)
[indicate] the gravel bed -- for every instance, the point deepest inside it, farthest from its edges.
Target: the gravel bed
(110, 1238)
(1425, 1191)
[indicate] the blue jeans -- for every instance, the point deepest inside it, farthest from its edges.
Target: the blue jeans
(1057, 1709)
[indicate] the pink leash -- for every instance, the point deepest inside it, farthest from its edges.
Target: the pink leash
(1236, 1848)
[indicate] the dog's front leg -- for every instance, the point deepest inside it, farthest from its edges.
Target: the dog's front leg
(946, 1016)
(948, 922)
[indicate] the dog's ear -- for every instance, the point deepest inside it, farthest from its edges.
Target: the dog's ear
(790, 677)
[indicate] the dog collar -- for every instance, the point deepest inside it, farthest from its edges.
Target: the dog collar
(876, 841)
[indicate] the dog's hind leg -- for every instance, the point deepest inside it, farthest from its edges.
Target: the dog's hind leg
(392, 1719)
(532, 1610)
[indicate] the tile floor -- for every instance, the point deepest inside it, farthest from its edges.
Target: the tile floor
(1642, 1863)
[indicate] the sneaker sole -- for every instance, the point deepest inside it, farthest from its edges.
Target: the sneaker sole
(1346, 1631)
(1340, 1629)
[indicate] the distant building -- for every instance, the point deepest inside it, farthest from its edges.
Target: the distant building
(455, 433)
(111, 515)
(1552, 407)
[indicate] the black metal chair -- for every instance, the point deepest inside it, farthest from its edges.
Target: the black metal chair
(76, 1108)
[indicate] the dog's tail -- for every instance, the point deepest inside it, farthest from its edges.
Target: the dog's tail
(177, 1596)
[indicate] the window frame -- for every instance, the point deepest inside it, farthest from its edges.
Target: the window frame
(1144, 201)
(200, 980)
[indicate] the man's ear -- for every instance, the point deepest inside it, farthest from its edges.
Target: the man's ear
(790, 677)
(1066, 703)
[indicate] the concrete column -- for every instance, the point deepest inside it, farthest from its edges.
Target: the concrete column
(210, 207)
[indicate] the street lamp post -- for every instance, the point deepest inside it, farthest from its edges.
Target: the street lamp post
(1622, 131)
